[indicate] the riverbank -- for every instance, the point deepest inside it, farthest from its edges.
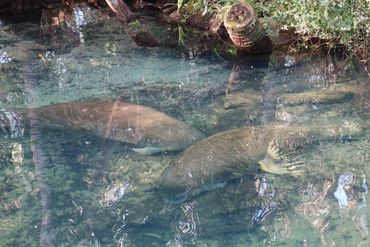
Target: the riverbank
(294, 26)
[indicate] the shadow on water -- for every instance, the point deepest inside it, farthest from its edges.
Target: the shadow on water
(70, 175)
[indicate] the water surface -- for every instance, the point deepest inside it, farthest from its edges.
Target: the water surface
(63, 186)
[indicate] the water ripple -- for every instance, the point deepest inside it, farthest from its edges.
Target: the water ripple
(185, 224)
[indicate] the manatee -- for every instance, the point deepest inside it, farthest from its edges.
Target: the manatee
(149, 130)
(334, 94)
(213, 161)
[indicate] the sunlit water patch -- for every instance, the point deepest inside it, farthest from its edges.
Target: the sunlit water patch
(82, 180)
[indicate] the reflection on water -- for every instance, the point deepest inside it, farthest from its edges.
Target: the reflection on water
(185, 223)
(11, 124)
(70, 175)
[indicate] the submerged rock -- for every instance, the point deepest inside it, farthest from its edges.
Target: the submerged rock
(150, 130)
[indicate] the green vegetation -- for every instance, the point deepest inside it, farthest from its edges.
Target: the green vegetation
(333, 22)
(339, 22)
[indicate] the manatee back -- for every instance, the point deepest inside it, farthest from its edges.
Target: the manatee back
(85, 115)
(215, 159)
(144, 126)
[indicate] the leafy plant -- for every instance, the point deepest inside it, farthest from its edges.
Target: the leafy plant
(339, 22)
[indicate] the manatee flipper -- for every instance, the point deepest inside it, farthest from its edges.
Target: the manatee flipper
(280, 168)
(276, 162)
(147, 150)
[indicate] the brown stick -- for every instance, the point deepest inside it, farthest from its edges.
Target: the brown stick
(121, 10)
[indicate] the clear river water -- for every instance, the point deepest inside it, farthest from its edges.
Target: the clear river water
(77, 174)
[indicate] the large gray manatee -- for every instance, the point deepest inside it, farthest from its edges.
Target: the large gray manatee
(213, 161)
(149, 130)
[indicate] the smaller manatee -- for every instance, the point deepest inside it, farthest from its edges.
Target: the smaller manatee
(212, 162)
